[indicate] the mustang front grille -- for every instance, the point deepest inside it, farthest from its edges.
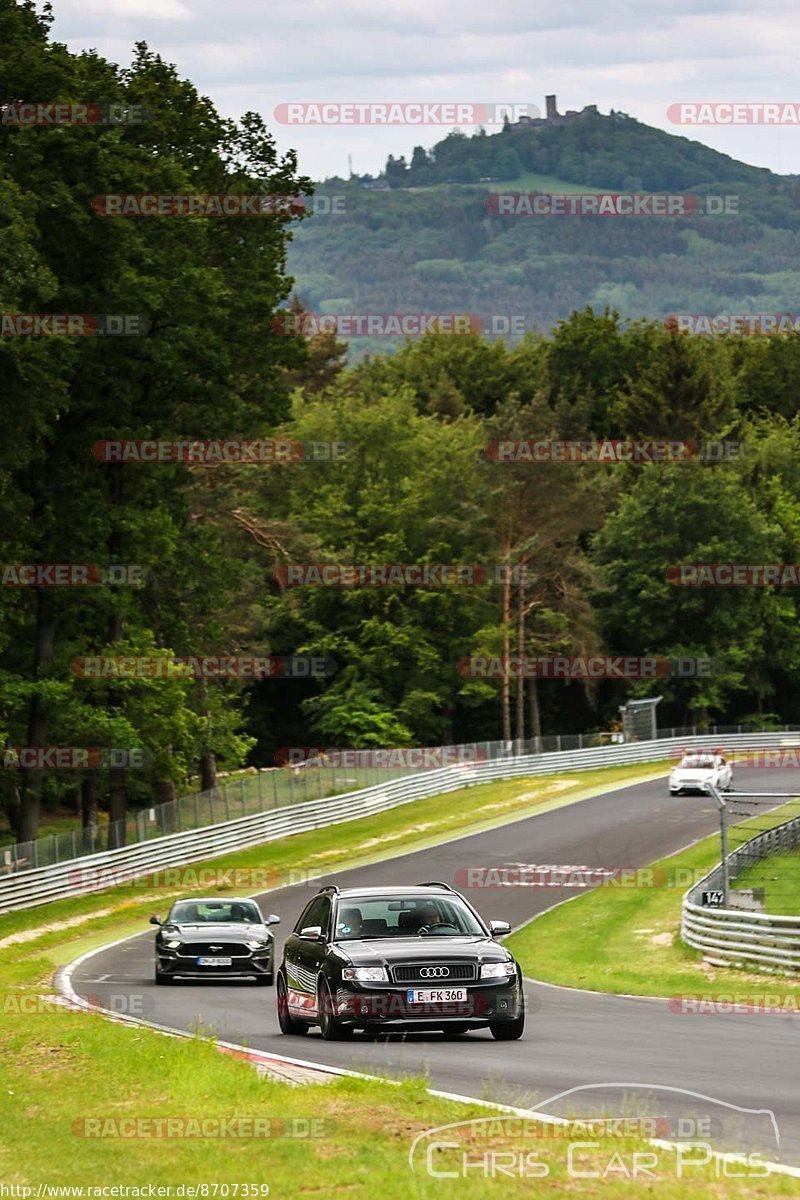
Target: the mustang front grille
(213, 950)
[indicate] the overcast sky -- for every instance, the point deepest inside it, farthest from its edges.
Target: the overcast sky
(638, 57)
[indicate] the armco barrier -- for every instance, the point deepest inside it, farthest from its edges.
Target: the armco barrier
(730, 937)
(28, 888)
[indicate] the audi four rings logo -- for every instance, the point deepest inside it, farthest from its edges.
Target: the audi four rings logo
(434, 972)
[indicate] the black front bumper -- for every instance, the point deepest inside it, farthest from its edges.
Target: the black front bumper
(366, 1007)
(183, 966)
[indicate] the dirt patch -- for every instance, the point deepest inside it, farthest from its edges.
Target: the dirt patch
(30, 935)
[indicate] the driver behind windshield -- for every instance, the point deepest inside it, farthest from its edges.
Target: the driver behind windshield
(431, 915)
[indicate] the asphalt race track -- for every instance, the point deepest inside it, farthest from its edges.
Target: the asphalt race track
(625, 1049)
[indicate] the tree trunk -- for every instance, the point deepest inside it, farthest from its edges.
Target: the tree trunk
(165, 791)
(208, 759)
(535, 715)
(208, 770)
(117, 807)
(89, 801)
(31, 791)
(506, 683)
(521, 653)
(117, 776)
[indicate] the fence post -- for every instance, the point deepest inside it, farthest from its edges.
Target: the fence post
(244, 795)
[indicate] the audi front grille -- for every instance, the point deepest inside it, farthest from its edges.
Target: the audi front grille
(435, 973)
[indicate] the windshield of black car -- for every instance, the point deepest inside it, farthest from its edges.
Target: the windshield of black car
(192, 912)
(398, 916)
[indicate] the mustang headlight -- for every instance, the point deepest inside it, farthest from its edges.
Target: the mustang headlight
(365, 974)
(172, 944)
(499, 970)
(256, 945)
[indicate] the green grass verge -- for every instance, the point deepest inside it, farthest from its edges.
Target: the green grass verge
(626, 939)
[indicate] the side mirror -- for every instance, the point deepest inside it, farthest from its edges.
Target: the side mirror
(312, 933)
(499, 928)
(272, 920)
(155, 920)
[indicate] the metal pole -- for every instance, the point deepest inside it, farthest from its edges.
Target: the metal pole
(723, 838)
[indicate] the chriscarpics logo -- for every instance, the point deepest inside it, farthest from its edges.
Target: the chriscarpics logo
(638, 1132)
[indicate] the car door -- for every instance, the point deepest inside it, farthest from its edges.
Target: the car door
(304, 956)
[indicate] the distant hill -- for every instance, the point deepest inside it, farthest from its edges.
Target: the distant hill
(614, 151)
(424, 237)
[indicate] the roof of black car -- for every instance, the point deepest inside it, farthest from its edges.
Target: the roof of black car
(415, 889)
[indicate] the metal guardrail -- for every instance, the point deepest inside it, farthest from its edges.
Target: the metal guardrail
(34, 886)
(731, 937)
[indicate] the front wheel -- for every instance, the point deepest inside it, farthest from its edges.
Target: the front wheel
(509, 1031)
(287, 1023)
(263, 980)
(162, 977)
(331, 1028)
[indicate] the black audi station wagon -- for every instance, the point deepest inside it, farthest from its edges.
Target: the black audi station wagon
(406, 958)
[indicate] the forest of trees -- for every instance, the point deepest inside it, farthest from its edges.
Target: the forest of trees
(433, 241)
(416, 484)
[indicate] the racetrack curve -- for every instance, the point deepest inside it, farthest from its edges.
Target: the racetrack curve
(624, 1048)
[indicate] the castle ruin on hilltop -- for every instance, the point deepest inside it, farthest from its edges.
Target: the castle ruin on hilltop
(554, 117)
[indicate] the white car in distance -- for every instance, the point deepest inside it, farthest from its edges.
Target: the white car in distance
(699, 768)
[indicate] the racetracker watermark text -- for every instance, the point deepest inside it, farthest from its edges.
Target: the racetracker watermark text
(446, 113)
(610, 450)
(581, 666)
(608, 204)
(212, 452)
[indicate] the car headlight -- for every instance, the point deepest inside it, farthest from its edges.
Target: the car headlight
(173, 944)
(254, 945)
(365, 974)
(499, 970)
